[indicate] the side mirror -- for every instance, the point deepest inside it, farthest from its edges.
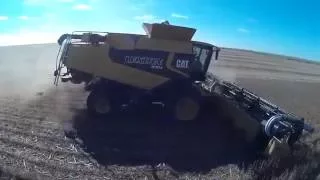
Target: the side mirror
(217, 54)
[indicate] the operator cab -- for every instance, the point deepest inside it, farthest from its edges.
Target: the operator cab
(203, 53)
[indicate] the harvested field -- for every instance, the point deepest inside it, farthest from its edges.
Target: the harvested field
(34, 116)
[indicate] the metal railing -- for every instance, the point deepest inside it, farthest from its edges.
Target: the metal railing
(61, 56)
(83, 37)
(76, 38)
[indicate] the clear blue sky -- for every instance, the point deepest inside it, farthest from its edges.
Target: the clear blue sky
(283, 26)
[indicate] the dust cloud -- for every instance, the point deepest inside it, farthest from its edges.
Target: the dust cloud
(27, 76)
(225, 74)
(27, 70)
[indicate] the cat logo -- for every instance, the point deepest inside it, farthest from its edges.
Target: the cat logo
(184, 64)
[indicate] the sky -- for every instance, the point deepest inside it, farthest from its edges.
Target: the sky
(287, 27)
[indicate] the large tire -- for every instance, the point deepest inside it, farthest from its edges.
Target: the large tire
(184, 106)
(100, 103)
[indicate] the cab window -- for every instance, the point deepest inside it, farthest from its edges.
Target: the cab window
(201, 55)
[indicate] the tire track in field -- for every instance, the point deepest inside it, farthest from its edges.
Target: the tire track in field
(9, 158)
(17, 106)
(33, 130)
(36, 117)
(20, 164)
(72, 150)
(60, 162)
(14, 121)
(49, 114)
(34, 136)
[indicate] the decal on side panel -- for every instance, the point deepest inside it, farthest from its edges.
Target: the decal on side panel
(151, 61)
(182, 62)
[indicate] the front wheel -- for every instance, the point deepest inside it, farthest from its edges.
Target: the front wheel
(183, 107)
(186, 109)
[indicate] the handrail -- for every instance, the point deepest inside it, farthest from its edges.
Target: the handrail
(62, 52)
(90, 32)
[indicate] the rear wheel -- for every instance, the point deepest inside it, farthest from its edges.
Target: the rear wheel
(99, 103)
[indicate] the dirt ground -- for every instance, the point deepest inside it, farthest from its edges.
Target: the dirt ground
(35, 116)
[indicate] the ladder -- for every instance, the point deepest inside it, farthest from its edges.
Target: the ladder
(61, 57)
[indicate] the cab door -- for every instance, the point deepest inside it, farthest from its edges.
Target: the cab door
(201, 62)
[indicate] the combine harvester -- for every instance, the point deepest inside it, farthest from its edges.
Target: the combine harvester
(165, 65)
